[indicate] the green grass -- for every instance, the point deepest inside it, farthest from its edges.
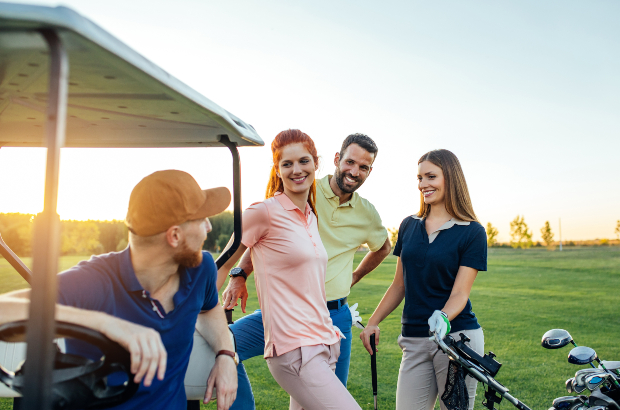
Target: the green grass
(524, 294)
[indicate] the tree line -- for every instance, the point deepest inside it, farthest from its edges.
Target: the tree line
(94, 236)
(521, 235)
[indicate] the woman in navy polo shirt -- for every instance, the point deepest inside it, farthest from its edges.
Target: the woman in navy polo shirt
(440, 250)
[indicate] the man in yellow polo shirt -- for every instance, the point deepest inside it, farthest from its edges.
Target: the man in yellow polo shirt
(346, 221)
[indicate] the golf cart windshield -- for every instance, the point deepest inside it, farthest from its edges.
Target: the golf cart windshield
(65, 82)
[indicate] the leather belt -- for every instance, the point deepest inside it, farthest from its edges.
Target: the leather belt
(335, 304)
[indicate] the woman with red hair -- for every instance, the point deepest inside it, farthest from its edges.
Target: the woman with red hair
(301, 343)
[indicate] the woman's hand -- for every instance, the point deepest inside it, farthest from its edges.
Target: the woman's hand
(365, 336)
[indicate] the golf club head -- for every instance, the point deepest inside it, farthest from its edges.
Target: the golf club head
(579, 382)
(569, 385)
(595, 380)
(556, 338)
(582, 355)
(567, 402)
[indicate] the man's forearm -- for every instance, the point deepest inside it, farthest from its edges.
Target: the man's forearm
(371, 261)
(211, 324)
(15, 306)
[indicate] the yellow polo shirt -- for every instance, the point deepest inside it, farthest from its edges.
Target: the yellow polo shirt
(343, 228)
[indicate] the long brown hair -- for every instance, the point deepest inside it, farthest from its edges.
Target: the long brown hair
(282, 140)
(457, 200)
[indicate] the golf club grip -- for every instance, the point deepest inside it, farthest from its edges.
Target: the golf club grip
(373, 364)
(228, 313)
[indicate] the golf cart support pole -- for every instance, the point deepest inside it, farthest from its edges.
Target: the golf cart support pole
(237, 201)
(41, 324)
(15, 262)
(224, 257)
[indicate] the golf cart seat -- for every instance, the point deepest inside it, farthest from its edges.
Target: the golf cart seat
(11, 357)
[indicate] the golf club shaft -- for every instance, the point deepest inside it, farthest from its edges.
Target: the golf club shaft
(373, 368)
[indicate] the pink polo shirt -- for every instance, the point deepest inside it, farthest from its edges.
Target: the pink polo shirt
(289, 265)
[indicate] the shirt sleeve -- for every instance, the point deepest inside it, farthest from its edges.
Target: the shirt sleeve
(377, 234)
(401, 231)
(211, 296)
(84, 286)
(255, 221)
(475, 253)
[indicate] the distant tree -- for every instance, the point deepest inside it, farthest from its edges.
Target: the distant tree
(520, 236)
(79, 238)
(222, 224)
(16, 232)
(547, 235)
(393, 234)
(617, 230)
(111, 233)
(604, 242)
(492, 233)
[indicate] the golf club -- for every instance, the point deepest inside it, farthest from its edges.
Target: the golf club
(569, 385)
(595, 380)
(586, 355)
(373, 368)
(556, 339)
(579, 382)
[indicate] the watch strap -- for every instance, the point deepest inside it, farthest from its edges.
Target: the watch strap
(227, 353)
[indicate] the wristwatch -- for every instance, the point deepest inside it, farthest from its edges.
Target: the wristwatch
(233, 355)
(234, 272)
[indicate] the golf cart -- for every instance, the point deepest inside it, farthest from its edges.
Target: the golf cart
(65, 82)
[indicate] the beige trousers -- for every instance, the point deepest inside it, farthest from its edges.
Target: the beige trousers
(424, 368)
(307, 374)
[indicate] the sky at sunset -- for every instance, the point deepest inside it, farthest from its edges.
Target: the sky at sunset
(526, 94)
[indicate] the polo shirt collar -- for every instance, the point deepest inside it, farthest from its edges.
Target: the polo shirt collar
(288, 205)
(447, 225)
(329, 193)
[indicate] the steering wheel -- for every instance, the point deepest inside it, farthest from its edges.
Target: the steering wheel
(77, 382)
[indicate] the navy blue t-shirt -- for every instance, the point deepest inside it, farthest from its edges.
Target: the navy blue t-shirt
(107, 283)
(429, 271)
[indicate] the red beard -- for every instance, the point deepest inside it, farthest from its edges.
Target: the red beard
(188, 258)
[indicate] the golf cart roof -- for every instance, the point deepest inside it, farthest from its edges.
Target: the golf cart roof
(117, 98)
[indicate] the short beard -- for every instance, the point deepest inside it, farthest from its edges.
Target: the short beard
(186, 257)
(340, 182)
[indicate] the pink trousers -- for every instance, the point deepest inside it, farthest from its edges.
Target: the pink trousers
(307, 374)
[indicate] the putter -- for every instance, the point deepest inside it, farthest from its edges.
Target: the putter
(373, 368)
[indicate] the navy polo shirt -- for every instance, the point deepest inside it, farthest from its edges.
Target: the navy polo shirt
(107, 283)
(429, 271)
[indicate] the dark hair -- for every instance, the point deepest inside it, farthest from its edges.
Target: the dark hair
(363, 141)
(457, 200)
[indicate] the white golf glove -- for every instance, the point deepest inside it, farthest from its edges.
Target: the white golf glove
(355, 317)
(439, 324)
(339, 332)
